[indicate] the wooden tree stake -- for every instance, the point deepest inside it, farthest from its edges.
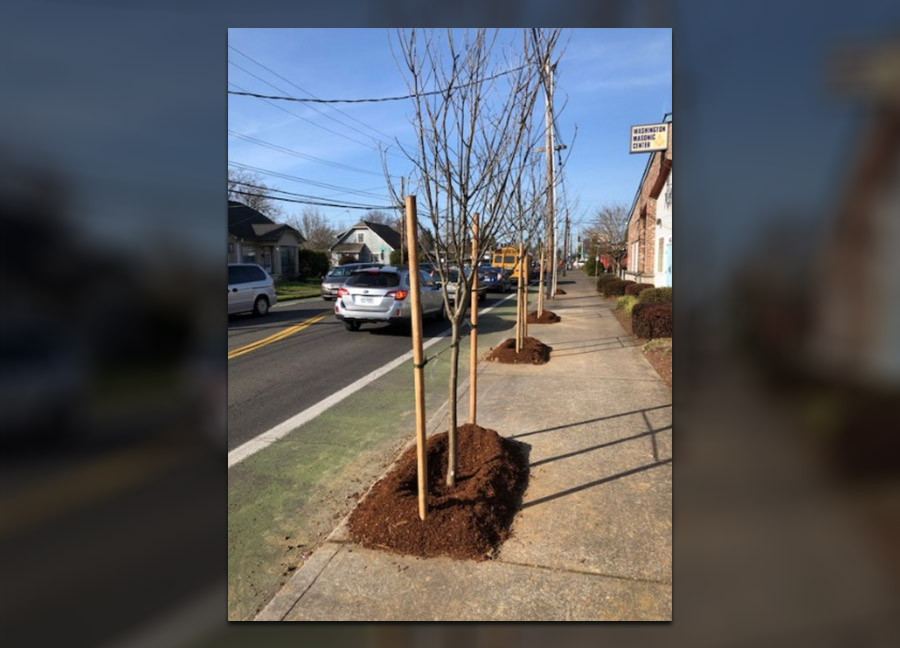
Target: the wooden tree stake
(473, 359)
(418, 352)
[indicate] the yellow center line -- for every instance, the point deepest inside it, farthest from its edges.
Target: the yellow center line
(277, 336)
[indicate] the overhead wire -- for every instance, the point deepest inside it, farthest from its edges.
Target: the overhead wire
(265, 67)
(314, 183)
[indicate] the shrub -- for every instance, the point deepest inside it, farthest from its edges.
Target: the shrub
(615, 288)
(652, 320)
(656, 296)
(396, 258)
(637, 289)
(604, 279)
(311, 263)
(626, 303)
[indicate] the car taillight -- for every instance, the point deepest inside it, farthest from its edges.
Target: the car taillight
(342, 292)
(399, 295)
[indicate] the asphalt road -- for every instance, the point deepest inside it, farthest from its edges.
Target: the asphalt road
(271, 383)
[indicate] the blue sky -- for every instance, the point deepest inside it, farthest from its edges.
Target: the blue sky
(607, 80)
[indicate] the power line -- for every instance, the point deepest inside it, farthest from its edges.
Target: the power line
(325, 128)
(311, 202)
(318, 110)
(304, 156)
(399, 98)
(310, 94)
(291, 193)
(314, 183)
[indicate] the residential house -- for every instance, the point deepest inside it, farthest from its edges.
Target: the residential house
(366, 242)
(255, 238)
(650, 221)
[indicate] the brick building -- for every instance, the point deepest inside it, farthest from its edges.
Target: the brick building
(650, 221)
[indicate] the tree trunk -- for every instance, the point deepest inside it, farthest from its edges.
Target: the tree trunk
(451, 433)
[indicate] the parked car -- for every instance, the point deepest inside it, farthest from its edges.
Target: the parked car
(250, 288)
(337, 276)
(453, 278)
(495, 279)
(382, 295)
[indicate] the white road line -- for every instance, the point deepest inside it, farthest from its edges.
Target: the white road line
(281, 430)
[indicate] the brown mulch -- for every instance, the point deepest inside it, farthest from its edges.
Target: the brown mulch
(547, 317)
(560, 291)
(661, 360)
(469, 520)
(533, 352)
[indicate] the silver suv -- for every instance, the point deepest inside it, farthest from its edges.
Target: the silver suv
(382, 295)
(250, 288)
(337, 276)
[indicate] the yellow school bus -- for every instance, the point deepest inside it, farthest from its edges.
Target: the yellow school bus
(507, 258)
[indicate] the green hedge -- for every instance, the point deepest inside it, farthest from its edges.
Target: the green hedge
(312, 264)
(604, 279)
(656, 296)
(615, 288)
(626, 303)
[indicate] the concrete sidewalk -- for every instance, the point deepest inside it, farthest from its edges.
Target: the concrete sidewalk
(593, 541)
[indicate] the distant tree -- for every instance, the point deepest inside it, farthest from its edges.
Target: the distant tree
(609, 232)
(377, 216)
(250, 189)
(317, 231)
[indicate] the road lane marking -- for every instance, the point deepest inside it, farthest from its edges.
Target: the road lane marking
(277, 336)
(281, 430)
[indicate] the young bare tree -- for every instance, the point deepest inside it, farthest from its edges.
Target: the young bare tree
(469, 136)
(316, 229)
(610, 229)
(250, 189)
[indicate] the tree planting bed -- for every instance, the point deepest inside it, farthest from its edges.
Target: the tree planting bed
(533, 352)
(467, 521)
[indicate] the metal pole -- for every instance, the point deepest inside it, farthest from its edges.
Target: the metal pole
(418, 353)
(473, 350)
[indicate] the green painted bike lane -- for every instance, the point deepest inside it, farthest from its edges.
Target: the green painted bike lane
(284, 500)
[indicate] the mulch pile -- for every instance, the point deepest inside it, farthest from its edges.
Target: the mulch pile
(547, 317)
(560, 291)
(467, 521)
(533, 352)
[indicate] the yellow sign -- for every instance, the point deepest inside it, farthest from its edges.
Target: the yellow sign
(646, 138)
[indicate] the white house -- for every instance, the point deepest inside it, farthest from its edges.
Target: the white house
(366, 242)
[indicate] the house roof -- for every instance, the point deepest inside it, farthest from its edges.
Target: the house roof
(248, 224)
(387, 233)
(352, 248)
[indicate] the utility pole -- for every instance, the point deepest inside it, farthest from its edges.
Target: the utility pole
(566, 245)
(550, 148)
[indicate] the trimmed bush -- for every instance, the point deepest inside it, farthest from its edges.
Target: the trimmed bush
(626, 303)
(604, 279)
(656, 296)
(311, 264)
(652, 320)
(615, 288)
(637, 289)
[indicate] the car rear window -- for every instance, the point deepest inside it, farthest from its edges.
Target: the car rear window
(255, 274)
(374, 280)
(244, 273)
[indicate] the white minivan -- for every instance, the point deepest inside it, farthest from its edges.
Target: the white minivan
(250, 288)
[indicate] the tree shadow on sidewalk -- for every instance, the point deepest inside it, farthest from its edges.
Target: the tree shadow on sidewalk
(597, 482)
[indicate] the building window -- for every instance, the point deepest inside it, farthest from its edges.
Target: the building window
(360, 237)
(659, 256)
